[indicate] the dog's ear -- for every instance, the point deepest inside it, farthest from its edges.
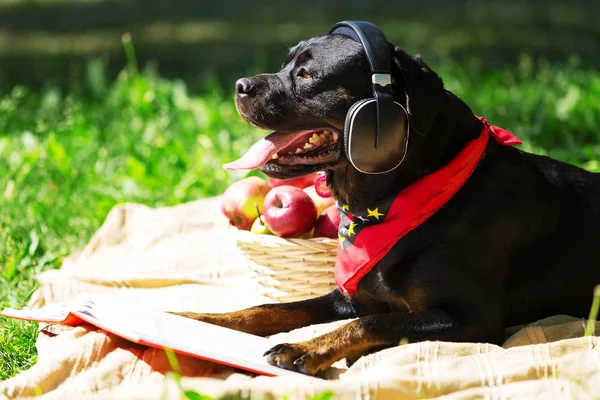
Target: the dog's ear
(422, 88)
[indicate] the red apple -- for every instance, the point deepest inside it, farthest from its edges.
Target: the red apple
(328, 223)
(241, 199)
(289, 212)
(300, 182)
(322, 203)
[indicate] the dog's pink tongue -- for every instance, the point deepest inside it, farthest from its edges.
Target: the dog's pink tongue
(262, 151)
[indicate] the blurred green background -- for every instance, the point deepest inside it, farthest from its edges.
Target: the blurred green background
(108, 101)
(48, 41)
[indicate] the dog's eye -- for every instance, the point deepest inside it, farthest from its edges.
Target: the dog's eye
(304, 74)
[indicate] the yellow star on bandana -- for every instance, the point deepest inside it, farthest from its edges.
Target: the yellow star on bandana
(375, 213)
(341, 239)
(345, 207)
(351, 229)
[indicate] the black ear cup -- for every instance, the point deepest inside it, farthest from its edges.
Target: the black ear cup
(348, 122)
(360, 137)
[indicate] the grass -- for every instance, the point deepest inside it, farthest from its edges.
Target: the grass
(67, 158)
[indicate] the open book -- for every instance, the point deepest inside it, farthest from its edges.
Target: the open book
(143, 325)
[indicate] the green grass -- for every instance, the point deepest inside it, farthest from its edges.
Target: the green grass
(67, 158)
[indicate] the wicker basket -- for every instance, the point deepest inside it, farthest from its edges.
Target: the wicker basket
(289, 269)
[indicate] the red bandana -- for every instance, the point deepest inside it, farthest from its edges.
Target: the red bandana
(365, 237)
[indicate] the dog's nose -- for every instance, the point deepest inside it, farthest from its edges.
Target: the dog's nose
(244, 87)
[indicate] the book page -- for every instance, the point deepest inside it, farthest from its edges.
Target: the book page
(185, 335)
(52, 313)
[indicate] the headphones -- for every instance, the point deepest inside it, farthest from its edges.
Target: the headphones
(376, 129)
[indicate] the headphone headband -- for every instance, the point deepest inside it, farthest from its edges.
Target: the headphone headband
(373, 40)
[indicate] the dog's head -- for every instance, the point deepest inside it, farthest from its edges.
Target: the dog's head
(306, 105)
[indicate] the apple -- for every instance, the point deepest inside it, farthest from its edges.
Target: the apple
(289, 212)
(300, 182)
(259, 226)
(322, 203)
(328, 223)
(241, 199)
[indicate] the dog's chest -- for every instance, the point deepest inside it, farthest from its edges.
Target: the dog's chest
(401, 294)
(403, 278)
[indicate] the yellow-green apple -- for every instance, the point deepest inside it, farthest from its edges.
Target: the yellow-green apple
(289, 212)
(300, 182)
(241, 199)
(328, 223)
(322, 203)
(259, 226)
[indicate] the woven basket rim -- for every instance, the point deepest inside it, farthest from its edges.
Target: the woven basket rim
(261, 238)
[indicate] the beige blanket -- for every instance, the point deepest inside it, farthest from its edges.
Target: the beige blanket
(184, 258)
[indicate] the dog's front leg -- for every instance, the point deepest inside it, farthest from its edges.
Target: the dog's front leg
(364, 335)
(269, 319)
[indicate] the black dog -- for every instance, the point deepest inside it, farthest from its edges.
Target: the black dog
(515, 244)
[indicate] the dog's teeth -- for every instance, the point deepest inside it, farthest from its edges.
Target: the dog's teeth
(315, 137)
(275, 156)
(298, 150)
(312, 140)
(308, 146)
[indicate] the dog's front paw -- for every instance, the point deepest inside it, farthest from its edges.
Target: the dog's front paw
(305, 357)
